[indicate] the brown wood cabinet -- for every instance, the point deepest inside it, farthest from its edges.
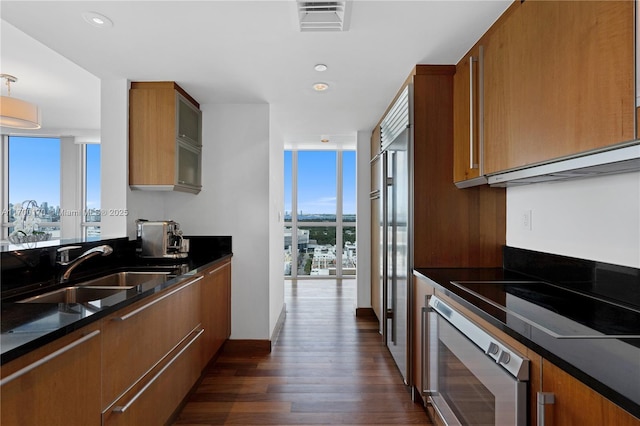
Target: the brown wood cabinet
(165, 138)
(559, 79)
(452, 228)
(215, 307)
(58, 384)
(152, 402)
(134, 366)
(576, 404)
(138, 338)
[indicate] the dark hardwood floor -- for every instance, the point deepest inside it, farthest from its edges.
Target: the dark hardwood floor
(327, 367)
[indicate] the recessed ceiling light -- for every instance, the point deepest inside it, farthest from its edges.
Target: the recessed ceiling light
(320, 87)
(324, 140)
(320, 67)
(97, 20)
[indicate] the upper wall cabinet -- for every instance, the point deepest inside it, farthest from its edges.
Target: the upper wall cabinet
(558, 80)
(165, 138)
(550, 79)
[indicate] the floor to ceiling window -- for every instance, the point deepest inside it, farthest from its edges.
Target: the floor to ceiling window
(32, 194)
(320, 213)
(32, 186)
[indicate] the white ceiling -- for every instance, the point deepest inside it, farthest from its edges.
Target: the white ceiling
(234, 52)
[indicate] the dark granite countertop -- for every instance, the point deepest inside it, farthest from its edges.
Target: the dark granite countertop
(28, 326)
(565, 323)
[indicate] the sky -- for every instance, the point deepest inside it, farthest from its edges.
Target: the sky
(317, 182)
(34, 174)
(34, 171)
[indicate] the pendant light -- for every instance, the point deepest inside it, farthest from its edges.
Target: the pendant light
(16, 113)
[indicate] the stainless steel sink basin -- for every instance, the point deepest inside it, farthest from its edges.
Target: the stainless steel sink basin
(102, 287)
(127, 278)
(76, 294)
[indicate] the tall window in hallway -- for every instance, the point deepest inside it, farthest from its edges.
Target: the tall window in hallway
(320, 213)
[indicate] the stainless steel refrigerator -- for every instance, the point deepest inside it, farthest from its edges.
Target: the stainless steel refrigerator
(396, 256)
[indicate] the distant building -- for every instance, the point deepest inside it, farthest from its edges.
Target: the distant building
(303, 239)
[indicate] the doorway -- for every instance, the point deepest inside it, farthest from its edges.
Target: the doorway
(320, 214)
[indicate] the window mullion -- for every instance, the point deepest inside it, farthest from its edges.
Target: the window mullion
(294, 214)
(4, 160)
(339, 203)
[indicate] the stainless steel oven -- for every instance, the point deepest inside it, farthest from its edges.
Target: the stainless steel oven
(473, 378)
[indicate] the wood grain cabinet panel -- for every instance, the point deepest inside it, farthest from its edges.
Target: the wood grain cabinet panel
(154, 401)
(215, 306)
(58, 384)
(559, 79)
(576, 404)
(137, 338)
(452, 227)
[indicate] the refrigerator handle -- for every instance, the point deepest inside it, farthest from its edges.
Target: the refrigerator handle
(385, 244)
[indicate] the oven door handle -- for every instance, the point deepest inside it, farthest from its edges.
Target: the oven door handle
(429, 342)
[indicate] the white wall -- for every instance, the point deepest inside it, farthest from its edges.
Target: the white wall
(70, 184)
(595, 218)
(234, 201)
(276, 224)
(114, 154)
(363, 234)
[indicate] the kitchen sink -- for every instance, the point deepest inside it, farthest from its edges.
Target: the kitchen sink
(126, 278)
(100, 288)
(76, 294)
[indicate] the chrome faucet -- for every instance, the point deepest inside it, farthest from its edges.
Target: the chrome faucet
(104, 250)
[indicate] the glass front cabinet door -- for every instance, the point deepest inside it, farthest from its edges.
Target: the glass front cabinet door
(188, 166)
(189, 119)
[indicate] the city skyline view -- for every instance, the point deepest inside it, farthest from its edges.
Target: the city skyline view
(34, 172)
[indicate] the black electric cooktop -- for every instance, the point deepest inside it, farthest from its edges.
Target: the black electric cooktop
(561, 312)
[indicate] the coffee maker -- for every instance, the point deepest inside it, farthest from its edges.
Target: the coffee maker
(160, 240)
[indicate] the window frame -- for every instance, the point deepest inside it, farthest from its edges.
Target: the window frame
(84, 225)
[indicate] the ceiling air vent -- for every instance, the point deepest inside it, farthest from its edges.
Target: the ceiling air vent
(322, 15)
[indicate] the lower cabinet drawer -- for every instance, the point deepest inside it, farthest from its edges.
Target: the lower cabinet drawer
(138, 338)
(58, 384)
(153, 399)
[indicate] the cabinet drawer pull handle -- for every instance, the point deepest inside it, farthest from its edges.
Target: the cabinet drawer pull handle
(480, 164)
(218, 268)
(471, 111)
(142, 308)
(544, 398)
(121, 409)
(48, 358)
(480, 88)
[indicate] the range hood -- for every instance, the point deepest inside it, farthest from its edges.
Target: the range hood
(621, 159)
